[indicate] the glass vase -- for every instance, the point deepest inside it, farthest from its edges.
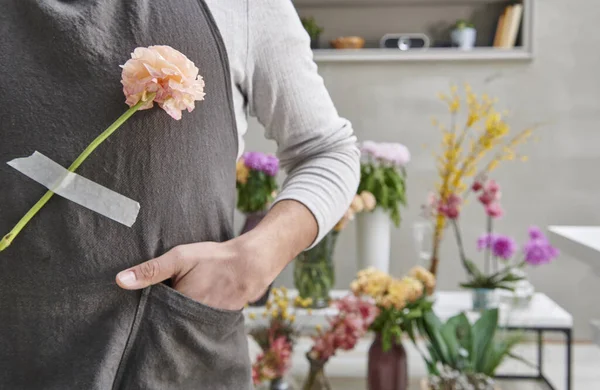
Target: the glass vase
(316, 379)
(423, 236)
(314, 274)
(280, 384)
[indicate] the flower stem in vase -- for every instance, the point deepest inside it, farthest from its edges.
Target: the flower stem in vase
(8, 239)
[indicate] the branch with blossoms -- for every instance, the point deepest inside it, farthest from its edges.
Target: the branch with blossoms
(352, 322)
(274, 362)
(465, 148)
(536, 251)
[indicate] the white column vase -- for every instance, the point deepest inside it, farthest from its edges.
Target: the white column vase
(373, 234)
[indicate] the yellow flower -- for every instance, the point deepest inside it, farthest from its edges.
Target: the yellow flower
(425, 277)
(241, 172)
(292, 318)
(414, 288)
(318, 328)
(252, 316)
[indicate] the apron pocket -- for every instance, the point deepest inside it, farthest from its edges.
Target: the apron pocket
(180, 344)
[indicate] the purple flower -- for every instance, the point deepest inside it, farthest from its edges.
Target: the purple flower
(254, 160)
(535, 233)
(271, 166)
(503, 247)
(485, 241)
(258, 161)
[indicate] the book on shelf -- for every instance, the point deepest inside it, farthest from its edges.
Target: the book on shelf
(507, 29)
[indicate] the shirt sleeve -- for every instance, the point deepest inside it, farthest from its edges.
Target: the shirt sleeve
(316, 148)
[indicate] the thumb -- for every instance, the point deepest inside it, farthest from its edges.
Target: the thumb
(151, 272)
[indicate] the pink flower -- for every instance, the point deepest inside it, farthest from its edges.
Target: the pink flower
(166, 72)
(494, 210)
(451, 208)
(491, 193)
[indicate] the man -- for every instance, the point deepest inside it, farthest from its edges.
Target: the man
(175, 321)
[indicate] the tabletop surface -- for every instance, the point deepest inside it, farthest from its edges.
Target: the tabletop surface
(542, 312)
(581, 242)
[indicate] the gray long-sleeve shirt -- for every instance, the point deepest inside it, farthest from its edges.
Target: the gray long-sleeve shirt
(275, 79)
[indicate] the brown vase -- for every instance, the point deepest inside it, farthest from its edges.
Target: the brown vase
(252, 220)
(387, 370)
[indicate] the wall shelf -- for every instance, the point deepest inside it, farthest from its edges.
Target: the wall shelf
(392, 3)
(432, 54)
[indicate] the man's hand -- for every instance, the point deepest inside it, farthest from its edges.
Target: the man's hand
(229, 275)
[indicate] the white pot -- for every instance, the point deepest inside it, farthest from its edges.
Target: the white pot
(464, 38)
(373, 234)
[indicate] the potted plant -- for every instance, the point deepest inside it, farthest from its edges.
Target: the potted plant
(500, 271)
(256, 188)
(464, 35)
(354, 318)
(383, 174)
(460, 355)
(313, 30)
(399, 301)
(483, 141)
(314, 273)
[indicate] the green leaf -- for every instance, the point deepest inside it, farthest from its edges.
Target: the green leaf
(483, 332)
(498, 352)
(433, 327)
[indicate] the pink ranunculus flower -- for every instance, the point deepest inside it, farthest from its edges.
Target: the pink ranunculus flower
(166, 72)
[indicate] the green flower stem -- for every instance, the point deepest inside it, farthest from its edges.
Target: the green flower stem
(8, 239)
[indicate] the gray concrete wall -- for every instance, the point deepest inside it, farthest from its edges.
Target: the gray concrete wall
(395, 102)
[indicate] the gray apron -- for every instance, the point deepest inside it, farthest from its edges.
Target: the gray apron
(64, 324)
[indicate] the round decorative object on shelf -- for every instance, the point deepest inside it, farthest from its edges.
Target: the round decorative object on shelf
(348, 43)
(373, 232)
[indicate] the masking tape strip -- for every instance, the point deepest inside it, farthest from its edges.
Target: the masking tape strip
(78, 189)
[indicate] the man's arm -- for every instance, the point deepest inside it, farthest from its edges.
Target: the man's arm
(317, 149)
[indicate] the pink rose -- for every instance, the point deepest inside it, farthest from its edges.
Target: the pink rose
(166, 72)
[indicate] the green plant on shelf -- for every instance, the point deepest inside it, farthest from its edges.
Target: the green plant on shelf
(463, 24)
(311, 27)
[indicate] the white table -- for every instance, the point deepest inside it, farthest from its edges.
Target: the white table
(542, 315)
(581, 242)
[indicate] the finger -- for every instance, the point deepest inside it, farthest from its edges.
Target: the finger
(151, 272)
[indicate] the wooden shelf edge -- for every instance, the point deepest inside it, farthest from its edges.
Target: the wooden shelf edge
(433, 54)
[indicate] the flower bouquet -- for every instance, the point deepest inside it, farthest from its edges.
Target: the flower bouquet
(466, 144)
(256, 185)
(276, 339)
(354, 318)
(400, 302)
(497, 248)
(383, 174)
(314, 274)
